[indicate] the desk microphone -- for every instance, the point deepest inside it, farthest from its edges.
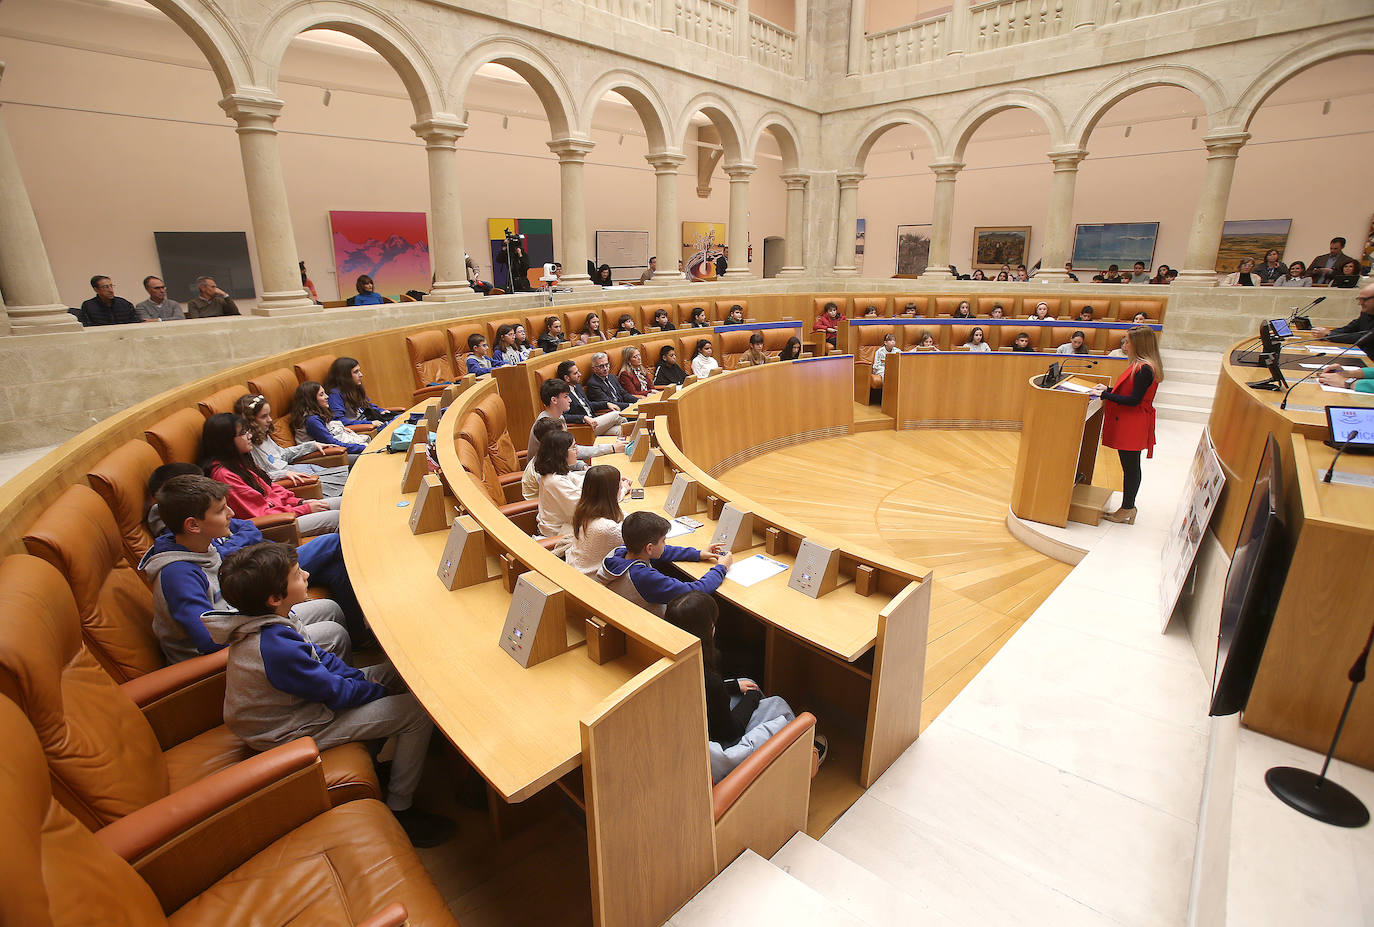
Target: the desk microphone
(1340, 449)
(1331, 359)
(1054, 374)
(1299, 316)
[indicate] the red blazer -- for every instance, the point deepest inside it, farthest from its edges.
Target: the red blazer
(633, 384)
(1130, 428)
(260, 499)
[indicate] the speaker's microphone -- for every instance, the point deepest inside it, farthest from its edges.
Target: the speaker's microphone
(1354, 433)
(1300, 315)
(1348, 348)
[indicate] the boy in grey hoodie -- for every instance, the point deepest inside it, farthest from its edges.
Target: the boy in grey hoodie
(280, 686)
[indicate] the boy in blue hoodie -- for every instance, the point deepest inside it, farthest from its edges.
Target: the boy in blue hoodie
(280, 686)
(183, 567)
(634, 570)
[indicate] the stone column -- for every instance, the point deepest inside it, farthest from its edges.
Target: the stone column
(794, 248)
(742, 30)
(942, 218)
(799, 24)
(858, 37)
(667, 233)
(667, 16)
(737, 235)
(1059, 224)
(1084, 14)
(278, 263)
(846, 223)
(441, 134)
(572, 160)
(1200, 260)
(958, 25)
(31, 299)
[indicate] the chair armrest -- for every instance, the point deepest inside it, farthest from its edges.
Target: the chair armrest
(514, 476)
(764, 800)
(582, 434)
(429, 392)
(310, 490)
(728, 790)
(819, 345)
(182, 700)
(549, 543)
(524, 506)
(318, 459)
(862, 381)
(393, 915)
(513, 488)
(279, 526)
(184, 843)
(522, 457)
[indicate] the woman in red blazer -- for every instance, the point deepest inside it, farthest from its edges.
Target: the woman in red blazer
(1128, 420)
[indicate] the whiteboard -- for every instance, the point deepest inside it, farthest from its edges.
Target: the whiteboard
(623, 251)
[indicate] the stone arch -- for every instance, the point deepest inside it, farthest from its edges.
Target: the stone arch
(1294, 63)
(784, 131)
(216, 37)
(985, 109)
(641, 95)
(722, 116)
(869, 135)
(383, 33)
(531, 64)
(1208, 91)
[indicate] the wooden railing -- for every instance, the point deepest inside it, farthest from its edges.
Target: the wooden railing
(772, 46)
(915, 43)
(1015, 22)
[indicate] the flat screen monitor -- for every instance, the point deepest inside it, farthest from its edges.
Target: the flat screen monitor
(1253, 587)
(1280, 328)
(1352, 426)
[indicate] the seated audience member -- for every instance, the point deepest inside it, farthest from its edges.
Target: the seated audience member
(1077, 344)
(702, 361)
(1068, 269)
(311, 420)
(1272, 269)
(829, 323)
(605, 391)
(885, 350)
(560, 486)
(105, 308)
(308, 283)
(603, 276)
(1325, 266)
(1139, 274)
(477, 361)
(634, 376)
(1297, 276)
(791, 350)
(506, 353)
(556, 397)
(735, 316)
(909, 311)
(552, 339)
(1085, 314)
(157, 307)
(1002, 277)
(625, 325)
(580, 408)
(1243, 276)
(1113, 275)
(596, 519)
(698, 319)
(1349, 276)
(367, 294)
(1358, 327)
(521, 342)
(210, 301)
(977, 342)
(545, 425)
(1171, 276)
(1022, 343)
(1119, 350)
(662, 322)
(739, 718)
(649, 274)
(1021, 275)
(755, 355)
(978, 275)
(926, 342)
(1140, 318)
(279, 463)
(998, 312)
(474, 278)
(224, 456)
(1360, 379)
(183, 564)
(1041, 311)
(870, 311)
(591, 330)
(963, 310)
(348, 400)
(667, 371)
(633, 569)
(1161, 276)
(280, 686)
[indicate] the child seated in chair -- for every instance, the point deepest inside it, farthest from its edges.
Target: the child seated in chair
(634, 570)
(885, 350)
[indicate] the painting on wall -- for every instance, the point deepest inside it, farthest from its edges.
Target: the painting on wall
(995, 246)
(913, 250)
(1250, 238)
(1120, 243)
(390, 247)
(860, 232)
(537, 235)
(701, 245)
(184, 256)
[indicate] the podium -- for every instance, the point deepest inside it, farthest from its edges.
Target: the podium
(1054, 465)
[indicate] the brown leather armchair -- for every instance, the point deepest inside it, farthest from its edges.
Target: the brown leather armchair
(431, 366)
(505, 456)
(254, 843)
(763, 801)
(121, 479)
(222, 401)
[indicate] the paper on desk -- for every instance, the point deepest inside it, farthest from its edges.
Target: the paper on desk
(1324, 350)
(1336, 389)
(1075, 387)
(1312, 366)
(677, 529)
(754, 569)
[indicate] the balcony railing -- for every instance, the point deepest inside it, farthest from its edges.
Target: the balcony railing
(639, 11)
(707, 22)
(1122, 10)
(914, 43)
(772, 46)
(1014, 22)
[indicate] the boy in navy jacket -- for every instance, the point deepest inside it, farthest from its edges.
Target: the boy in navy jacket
(634, 570)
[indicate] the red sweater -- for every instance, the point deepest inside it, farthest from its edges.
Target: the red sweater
(824, 323)
(260, 499)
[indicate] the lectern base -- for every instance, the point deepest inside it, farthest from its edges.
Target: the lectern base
(1089, 502)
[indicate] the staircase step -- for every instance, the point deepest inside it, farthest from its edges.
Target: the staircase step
(1172, 387)
(1178, 413)
(752, 891)
(851, 887)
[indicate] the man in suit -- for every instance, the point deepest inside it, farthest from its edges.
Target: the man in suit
(580, 407)
(723, 262)
(606, 392)
(1362, 324)
(1325, 266)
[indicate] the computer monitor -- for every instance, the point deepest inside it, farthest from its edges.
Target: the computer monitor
(1352, 426)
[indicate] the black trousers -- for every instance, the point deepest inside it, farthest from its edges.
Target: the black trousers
(1130, 469)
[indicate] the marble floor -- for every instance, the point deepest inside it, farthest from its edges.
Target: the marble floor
(14, 461)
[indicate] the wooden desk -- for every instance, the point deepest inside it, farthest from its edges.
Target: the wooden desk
(1058, 453)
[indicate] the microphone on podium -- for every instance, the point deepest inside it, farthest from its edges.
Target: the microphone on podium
(1299, 317)
(1340, 449)
(1056, 372)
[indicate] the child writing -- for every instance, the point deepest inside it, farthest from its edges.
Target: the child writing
(633, 570)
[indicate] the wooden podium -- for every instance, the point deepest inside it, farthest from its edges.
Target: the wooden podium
(1054, 466)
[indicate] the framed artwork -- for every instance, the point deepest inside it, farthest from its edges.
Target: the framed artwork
(913, 250)
(1250, 238)
(995, 246)
(390, 247)
(184, 256)
(701, 245)
(625, 252)
(538, 237)
(1119, 243)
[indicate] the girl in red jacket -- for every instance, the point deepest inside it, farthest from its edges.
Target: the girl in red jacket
(226, 456)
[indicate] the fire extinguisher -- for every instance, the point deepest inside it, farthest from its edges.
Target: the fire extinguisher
(751, 253)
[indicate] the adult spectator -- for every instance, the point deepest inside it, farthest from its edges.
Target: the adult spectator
(606, 392)
(519, 265)
(1139, 274)
(1161, 277)
(978, 275)
(1297, 276)
(211, 302)
(580, 407)
(474, 278)
(367, 294)
(157, 307)
(308, 283)
(1244, 275)
(1357, 328)
(105, 308)
(1272, 269)
(649, 274)
(552, 339)
(723, 262)
(1325, 266)
(556, 399)
(603, 276)
(1349, 276)
(1359, 379)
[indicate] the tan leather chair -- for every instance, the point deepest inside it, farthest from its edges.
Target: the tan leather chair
(984, 305)
(684, 311)
(958, 334)
(1100, 306)
(431, 365)
(500, 447)
(456, 337)
(257, 841)
(176, 438)
(106, 756)
(314, 368)
(899, 304)
(721, 308)
(945, 305)
(647, 310)
(575, 319)
(1028, 305)
(732, 345)
(882, 303)
(121, 479)
(908, 336)
(611, 316)
(478, 465)
(1127, 308)
(221, 400)
(866, 340)
(818, 306)
(1108, 340)
(494, 324)
(744, 805)
(1032, 330)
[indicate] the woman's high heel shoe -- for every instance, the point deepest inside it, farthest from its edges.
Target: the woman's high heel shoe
(1121, 516)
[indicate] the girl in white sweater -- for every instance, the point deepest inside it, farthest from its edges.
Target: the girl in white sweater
(596, 520)
(560, 486)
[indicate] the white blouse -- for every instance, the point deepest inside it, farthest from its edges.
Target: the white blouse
(598, 539)
(703, 365)
(981, 347)
(558, 495)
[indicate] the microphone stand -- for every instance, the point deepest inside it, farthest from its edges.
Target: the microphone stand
(1299, 316)
(1339, 451)
(1315, 795)
(1058, 368)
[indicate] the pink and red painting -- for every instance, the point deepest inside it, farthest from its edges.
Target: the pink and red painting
(390, 247)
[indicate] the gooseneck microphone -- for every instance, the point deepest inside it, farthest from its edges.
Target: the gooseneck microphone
(1340, 449)
(1055, 373)
(1299, 316)
(1311, 373)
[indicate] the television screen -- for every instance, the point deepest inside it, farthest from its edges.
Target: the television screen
(1253, 587)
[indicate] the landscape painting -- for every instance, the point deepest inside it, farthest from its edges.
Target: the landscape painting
(390, 247)
(1120, 243)
(1250, 238)
(993, 247)
(913, 250)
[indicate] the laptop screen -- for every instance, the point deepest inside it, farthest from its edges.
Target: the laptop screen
(1280, 327)
(1353, 424)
